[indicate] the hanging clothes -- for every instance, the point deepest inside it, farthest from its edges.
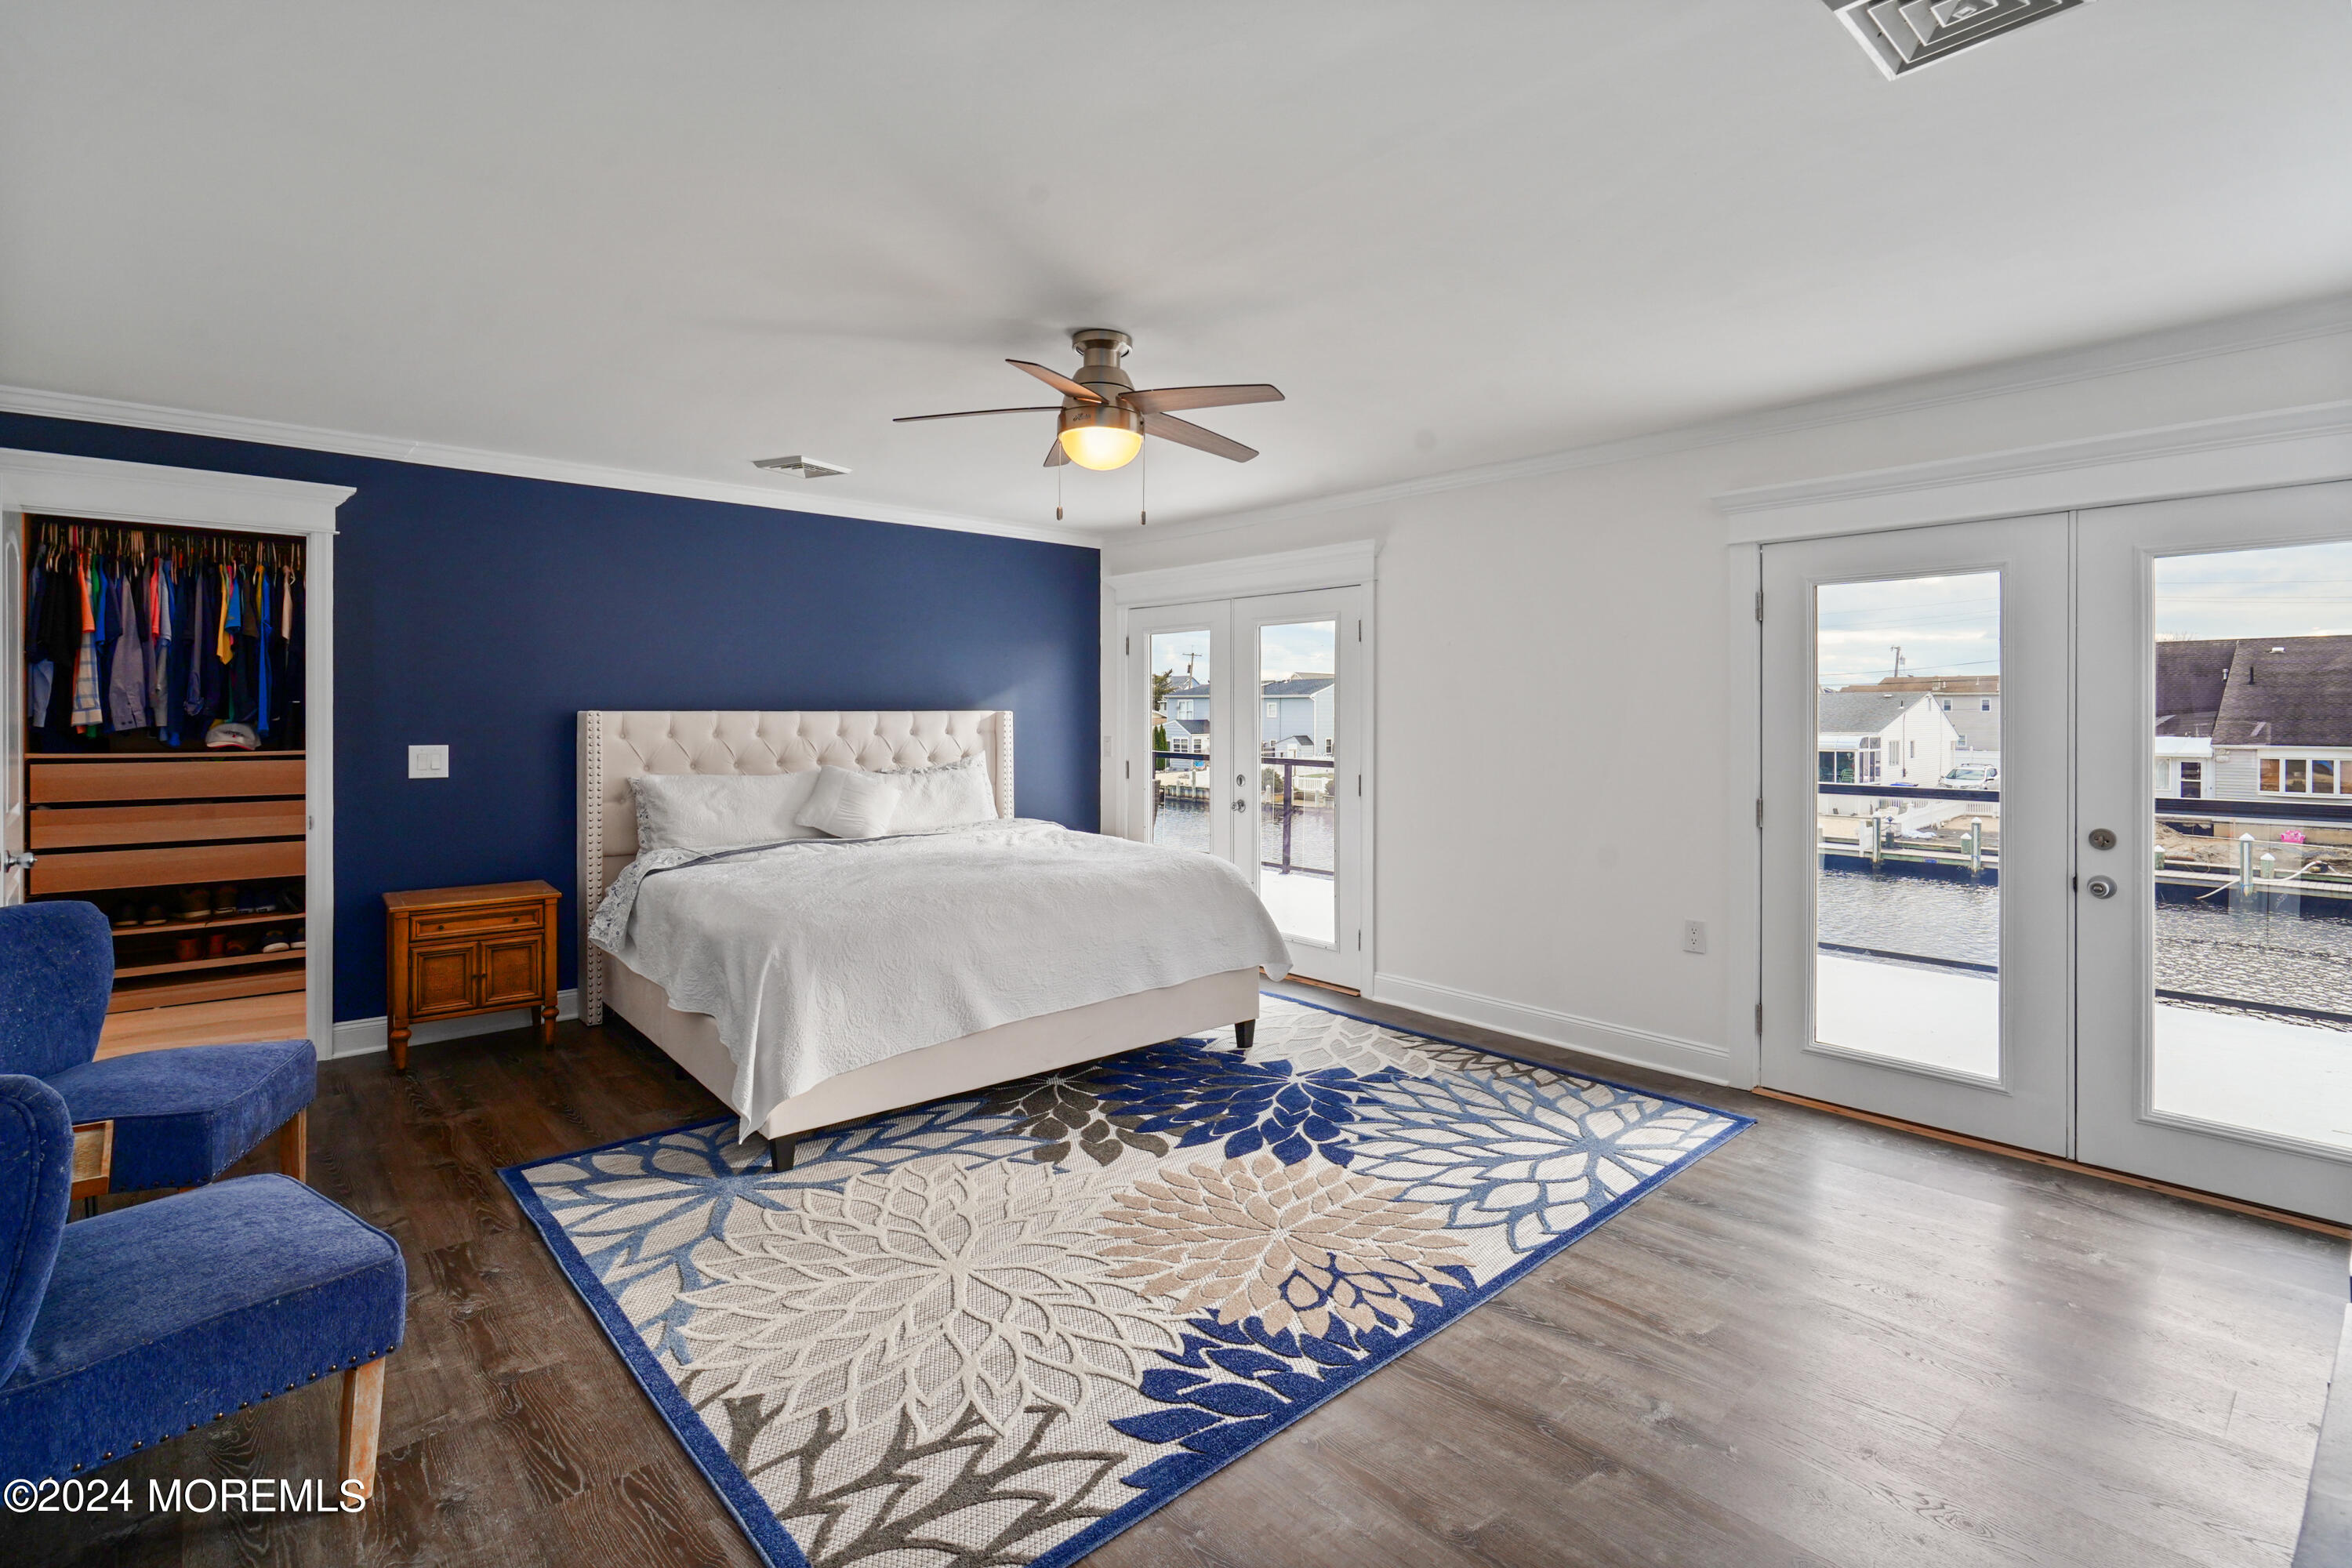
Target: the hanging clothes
(161, 632)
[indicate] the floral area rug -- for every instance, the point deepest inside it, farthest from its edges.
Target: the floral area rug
(1000, 1329)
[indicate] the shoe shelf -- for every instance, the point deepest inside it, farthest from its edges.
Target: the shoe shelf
(261, 979)
(226, 961)
(174, 925)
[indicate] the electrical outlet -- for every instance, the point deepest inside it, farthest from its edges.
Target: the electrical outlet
(428, 761)
(1694, 936)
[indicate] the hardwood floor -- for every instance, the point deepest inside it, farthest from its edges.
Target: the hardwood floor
(1827, 1343)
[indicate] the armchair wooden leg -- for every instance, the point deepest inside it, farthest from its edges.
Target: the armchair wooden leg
(294, 1145)
(362, 1418)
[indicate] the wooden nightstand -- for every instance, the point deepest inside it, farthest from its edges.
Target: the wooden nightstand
(451, 953)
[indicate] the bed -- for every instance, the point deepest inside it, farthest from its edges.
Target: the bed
(615, 746)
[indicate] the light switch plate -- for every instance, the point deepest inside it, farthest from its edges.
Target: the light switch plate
(1694, 936)
(428, 761)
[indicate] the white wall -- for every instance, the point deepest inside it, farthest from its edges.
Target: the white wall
(1579, 616)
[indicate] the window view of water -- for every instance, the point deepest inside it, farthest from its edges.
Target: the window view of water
(2202, 948)
(1185, 825)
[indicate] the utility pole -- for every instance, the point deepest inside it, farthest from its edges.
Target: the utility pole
(1898, 662)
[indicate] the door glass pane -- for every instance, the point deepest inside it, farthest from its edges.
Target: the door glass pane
(1180, 758)
(1907, 821)
(1299, 867)
(2252, 927)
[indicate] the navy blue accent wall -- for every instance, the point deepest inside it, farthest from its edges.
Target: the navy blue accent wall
(483, 611)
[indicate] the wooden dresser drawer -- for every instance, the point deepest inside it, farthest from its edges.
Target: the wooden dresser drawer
(76, 827)
(477, 922)
(80, 870)
(56, 780)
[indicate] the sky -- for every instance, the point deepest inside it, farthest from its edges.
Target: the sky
(1303, 649)
(1951, 625)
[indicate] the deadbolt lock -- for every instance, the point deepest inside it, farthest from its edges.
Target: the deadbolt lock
(2103, 838)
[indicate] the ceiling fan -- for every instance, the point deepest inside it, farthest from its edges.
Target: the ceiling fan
(1103, 417)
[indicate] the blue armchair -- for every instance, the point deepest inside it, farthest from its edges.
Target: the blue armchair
(182, 1116)
(123, 1332)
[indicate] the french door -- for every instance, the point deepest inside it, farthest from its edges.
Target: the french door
(2057, 836)
(1245, 739)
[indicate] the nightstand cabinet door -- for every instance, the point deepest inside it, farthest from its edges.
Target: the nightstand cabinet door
(510, 970)
(441, 979)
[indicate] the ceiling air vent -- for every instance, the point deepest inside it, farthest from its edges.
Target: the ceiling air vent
(1904, 35)
(807, 467)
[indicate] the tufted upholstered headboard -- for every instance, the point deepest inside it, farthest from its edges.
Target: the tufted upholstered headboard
(615, 746)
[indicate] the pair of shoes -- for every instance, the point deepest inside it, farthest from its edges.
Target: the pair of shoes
(154, 916)
(255, 901)
(216, 945)
(273, 940)
(237, 945)
(298, 936)
(126, 915)
(225, 899)
(187, 950)
(289, 899)
(196, 903)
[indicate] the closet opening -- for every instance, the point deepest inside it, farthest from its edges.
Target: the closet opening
(165, 767)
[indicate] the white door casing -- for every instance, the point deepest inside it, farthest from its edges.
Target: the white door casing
(53, 485)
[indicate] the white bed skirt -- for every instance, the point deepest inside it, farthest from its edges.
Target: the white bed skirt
(953, 1067)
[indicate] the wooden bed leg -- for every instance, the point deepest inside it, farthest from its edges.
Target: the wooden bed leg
(294, 1145)
(781, 1152)
(1246, 1032)
(363, 1420)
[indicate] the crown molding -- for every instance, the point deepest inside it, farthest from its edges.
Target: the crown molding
(308, 438)
(1288, 572)
(2306, 445)
(2324, 318)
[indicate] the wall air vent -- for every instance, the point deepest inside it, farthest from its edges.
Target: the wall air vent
(807, 467)
(1904, 35)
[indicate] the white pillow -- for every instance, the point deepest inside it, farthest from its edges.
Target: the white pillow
(717, 811)
(944, 796)
(850, 804)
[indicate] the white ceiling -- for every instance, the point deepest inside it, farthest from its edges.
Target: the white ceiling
(676, 237)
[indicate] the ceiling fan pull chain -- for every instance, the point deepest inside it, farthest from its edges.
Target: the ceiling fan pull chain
(1143, 506)
(1057, 495)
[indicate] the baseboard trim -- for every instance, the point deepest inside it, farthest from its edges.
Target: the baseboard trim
(361, 1037)
(2189, 1195)
(1615, 1042)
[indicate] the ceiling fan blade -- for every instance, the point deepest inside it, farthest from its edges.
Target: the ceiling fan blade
(1168, 399)
(976, 413)
(1057, 381)
(1167, 428)
(1055, 456)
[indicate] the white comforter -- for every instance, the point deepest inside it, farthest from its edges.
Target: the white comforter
(822, 955)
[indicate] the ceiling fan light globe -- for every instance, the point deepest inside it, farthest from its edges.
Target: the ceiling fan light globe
(1101, 446)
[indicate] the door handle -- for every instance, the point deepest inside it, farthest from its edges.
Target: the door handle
(1241, 806)
(2101, 887)
(16, 857)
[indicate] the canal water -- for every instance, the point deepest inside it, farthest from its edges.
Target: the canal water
(1185, 825)
(2205, 948)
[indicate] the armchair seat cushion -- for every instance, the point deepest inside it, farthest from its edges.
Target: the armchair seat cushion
(166, 1316)
(182, 1117)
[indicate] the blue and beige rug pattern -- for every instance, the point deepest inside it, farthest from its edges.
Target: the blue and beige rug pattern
(1000, 1329)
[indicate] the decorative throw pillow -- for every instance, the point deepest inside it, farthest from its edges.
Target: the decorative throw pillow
(848, 804)
(718, 811)
(944, 796)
